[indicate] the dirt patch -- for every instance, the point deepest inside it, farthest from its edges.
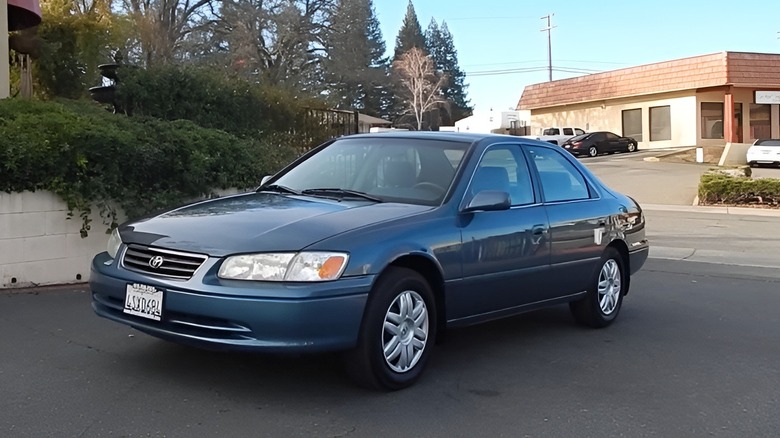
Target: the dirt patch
(712, 155)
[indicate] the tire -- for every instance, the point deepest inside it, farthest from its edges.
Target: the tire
(593, 151)
(602, 303)
(401, 316)
(631, 147)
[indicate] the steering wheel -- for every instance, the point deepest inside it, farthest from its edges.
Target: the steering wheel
(431, 187)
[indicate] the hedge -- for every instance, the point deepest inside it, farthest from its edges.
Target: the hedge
(718, 188)
(90, 157)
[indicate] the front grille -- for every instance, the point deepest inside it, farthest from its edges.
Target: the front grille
(162, 262)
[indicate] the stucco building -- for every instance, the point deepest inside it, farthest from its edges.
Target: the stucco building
(708, 100)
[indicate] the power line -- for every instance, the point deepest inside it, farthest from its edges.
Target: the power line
(564, 69)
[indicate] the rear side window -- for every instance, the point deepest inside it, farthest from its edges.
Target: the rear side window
(561, 181)
(568, 131)
(551, 131)
(579, 131)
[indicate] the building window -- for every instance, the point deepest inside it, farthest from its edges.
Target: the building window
(760, 126)
(660, 123)
(711, 120)
(632, 124)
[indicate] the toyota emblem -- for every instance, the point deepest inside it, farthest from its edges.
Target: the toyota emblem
(156, 261)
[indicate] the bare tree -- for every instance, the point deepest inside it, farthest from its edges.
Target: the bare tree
(420, 83)
(283, 40)
(163, 25)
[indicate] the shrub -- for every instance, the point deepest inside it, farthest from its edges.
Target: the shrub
(91, 157)
(207, 98)
(718, 188)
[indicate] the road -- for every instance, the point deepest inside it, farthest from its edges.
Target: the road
(679, 231)
(694, 353)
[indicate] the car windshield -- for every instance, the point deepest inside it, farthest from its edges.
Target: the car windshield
(417, 171)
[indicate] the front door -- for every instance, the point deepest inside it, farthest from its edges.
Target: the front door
(506, 253)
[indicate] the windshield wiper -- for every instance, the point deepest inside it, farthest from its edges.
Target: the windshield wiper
(278, 189)
(339, 193)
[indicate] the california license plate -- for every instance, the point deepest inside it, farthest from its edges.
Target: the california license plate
(144, 301)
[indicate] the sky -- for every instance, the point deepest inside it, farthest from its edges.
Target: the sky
(502, 48)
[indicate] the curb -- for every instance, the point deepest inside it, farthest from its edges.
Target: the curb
(743, 211)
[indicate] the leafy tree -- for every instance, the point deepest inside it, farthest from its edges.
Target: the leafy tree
(419, 82)
(442, 49)
(73, 38)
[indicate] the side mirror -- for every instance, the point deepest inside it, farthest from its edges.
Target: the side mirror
(265, 179)
(489, 200)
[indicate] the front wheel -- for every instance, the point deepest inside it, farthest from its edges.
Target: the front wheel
(397, 333)
(601, 304)
(631, 147)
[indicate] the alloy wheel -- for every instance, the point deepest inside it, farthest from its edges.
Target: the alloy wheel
(405, 331)
(609, 287)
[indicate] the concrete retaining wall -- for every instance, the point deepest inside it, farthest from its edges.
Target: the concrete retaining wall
(39, 245)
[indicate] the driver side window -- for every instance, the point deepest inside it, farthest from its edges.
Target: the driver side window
(504, 168)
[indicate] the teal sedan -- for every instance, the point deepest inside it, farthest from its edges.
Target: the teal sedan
(373, 245)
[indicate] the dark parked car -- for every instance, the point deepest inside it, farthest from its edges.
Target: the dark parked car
(373, 244)
(599, 142)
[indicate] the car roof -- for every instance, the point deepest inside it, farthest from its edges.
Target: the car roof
(767, 142)
(432, 135)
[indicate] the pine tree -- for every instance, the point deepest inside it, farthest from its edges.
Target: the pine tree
(410, 35)
(355, 68)
(442, 49)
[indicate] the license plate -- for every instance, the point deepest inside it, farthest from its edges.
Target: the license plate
(144, 301)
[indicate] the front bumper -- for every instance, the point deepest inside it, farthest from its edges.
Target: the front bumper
(207, 312)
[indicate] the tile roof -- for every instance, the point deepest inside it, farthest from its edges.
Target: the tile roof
(713, 70)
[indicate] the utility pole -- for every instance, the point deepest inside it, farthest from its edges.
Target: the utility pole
(549, 45)
(5, 68)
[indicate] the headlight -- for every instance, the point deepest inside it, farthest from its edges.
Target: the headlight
(114, 241)
(304, 266)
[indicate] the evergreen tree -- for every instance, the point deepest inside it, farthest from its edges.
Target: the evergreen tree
(442, 49)
(410, 35)
(355, 68)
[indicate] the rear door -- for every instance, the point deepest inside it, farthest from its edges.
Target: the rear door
(577, 219)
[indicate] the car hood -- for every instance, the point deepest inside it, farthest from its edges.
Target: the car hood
(259, 222)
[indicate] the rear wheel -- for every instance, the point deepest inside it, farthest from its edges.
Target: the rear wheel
(601, 304)
(593, 151)
(397, 333)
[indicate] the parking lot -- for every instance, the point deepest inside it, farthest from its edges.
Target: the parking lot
(693, 354)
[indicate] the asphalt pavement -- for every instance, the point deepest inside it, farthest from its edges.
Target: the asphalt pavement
(680, 230)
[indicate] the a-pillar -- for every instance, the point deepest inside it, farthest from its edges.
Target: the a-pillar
(729, 127)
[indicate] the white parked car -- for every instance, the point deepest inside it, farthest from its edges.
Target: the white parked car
(764, 151)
